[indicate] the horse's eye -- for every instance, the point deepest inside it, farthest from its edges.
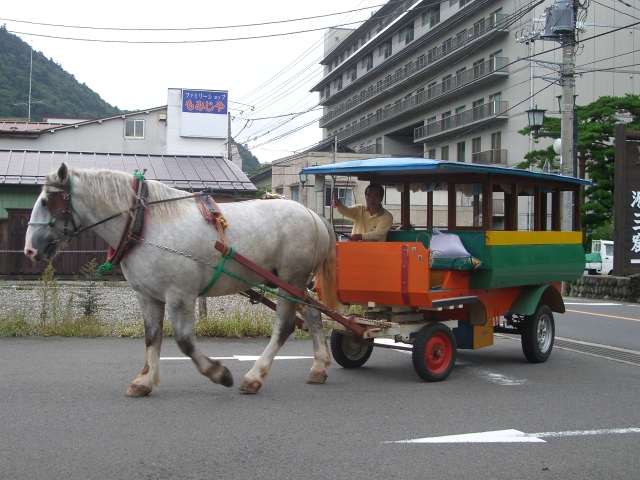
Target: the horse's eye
(44, 202)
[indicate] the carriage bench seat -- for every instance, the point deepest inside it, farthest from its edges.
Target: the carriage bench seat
(473, 241)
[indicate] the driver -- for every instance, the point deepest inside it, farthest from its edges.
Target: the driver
(371, 222)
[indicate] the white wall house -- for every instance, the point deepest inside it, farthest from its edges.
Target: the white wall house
(154, 131)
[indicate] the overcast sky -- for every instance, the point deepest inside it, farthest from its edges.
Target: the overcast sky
(274, 74)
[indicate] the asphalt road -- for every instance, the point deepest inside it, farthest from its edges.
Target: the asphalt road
(64, 413)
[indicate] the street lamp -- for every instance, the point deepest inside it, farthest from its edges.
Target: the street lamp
(536, 121)
(303, 178)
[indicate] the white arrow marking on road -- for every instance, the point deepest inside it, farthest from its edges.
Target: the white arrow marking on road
(242, 358)
(514, 436)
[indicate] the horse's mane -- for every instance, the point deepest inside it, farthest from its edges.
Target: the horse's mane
(111, 192)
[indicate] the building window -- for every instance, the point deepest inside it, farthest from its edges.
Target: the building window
(431, 127)
(352, 73)
(420, 61)
(295, 194)
(446, 46)
(337, 83)
(397, 74)
(432, 90)
(446, 120)
(432, 55)
(461, 151)
(444, 153)
(476, 145)
(494, 61)
(431, 153)
(344, 194)
(461, 37)
(460, 115)
(134, 129)
(446, 83)
(496, 141)
(408, 68)
(385, 49)
(431, 17)
(406, 34)
(479, 27)
(478, 68)
(477, 109)
(460, 77)
(367, 62)
(327, 91)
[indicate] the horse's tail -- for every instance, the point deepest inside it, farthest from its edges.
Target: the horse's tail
(327, 272)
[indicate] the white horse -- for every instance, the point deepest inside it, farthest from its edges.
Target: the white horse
(282, 236)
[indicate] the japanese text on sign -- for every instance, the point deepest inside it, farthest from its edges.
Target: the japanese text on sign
(201, 101)
(635, 239)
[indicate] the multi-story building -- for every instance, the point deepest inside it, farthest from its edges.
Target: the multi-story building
(444, 79)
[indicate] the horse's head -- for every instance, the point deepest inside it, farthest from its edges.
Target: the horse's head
(51, 216)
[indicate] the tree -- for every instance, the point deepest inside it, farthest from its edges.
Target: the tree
(249, 161)
(596, 135)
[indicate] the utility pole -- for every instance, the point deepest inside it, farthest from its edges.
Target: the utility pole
(229, 137)
(560, 26)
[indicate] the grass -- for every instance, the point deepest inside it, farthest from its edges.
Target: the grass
(234, 324)
(52, 318)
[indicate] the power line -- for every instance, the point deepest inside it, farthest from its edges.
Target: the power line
(173, 42)
(190, 28)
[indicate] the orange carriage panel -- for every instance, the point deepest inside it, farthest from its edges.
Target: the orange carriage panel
(386, 273)
(497, 301)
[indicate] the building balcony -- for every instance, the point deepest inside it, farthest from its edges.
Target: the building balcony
(485, 72)
(454, 124)
(375, 149)
(493, 26)
(489, 157)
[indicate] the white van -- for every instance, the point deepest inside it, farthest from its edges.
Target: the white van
(600, 260)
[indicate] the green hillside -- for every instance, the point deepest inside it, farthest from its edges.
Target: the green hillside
(54, 92)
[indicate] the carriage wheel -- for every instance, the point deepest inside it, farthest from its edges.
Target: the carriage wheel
(434, 352)
(348, 350)
(538, 333)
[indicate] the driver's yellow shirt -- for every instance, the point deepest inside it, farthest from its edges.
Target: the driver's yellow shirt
(373, 228)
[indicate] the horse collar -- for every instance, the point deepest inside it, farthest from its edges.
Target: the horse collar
(135, 223)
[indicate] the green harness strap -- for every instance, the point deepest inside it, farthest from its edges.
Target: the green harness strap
(217, 274)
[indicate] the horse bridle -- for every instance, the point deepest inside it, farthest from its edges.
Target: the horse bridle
(58, 204)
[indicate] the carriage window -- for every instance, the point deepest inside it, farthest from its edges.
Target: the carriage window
(134, 129)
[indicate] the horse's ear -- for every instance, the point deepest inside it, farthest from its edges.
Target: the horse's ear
(63, 173)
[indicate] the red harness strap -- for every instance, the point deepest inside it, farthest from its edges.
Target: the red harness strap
(134, 226)
(212, 215)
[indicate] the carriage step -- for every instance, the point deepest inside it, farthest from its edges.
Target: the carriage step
(451, 303)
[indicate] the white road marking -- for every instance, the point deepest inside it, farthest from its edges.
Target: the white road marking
(514, 436)
(498, 378)
(595, 304)
(242, 358)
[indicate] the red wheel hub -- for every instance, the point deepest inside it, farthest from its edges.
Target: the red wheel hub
(438, 352)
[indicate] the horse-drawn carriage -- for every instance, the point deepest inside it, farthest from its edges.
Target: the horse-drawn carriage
(442, 290)
(435, 291)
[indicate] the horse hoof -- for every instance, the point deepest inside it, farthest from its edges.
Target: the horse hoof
(227, 379)
(250, 387)
(138, 391)
(317, 378)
